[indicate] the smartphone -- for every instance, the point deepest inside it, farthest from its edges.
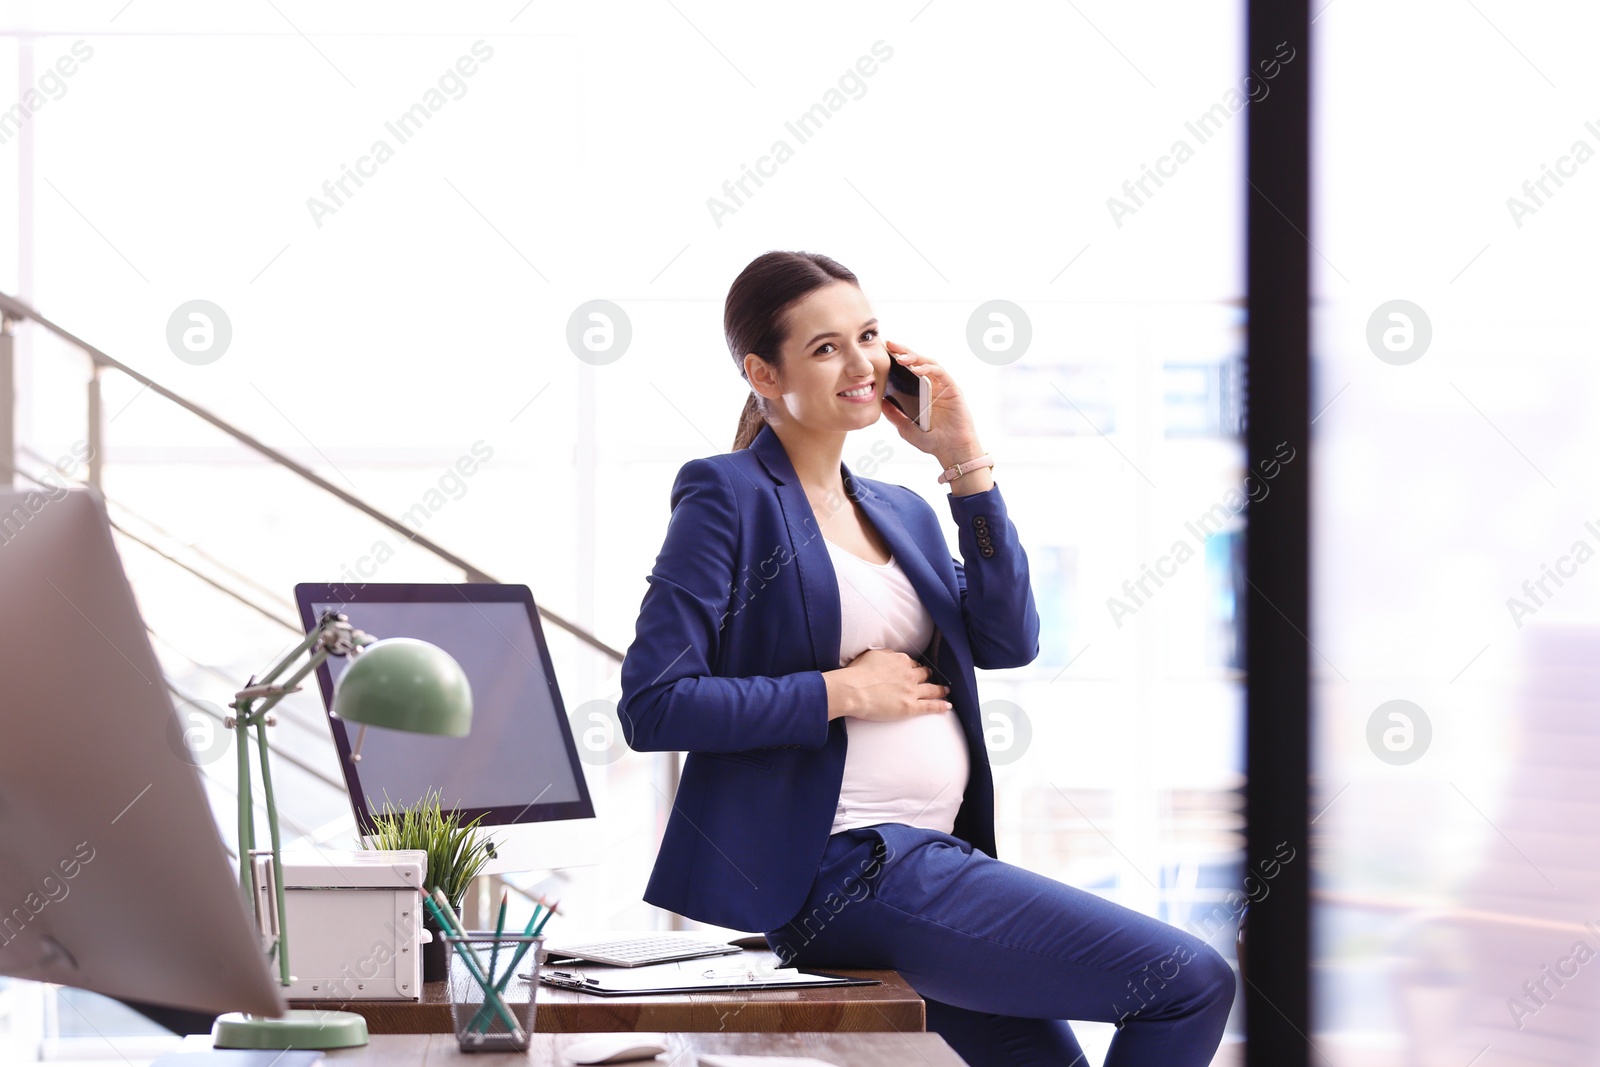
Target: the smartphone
(911, 393)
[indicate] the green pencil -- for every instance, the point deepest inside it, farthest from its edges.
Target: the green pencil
(523, 949)
(480, 1021)
(499, 928)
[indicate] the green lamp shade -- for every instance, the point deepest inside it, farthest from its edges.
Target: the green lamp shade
(401, 683)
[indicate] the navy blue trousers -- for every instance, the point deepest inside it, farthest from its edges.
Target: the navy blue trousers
(1004, 957)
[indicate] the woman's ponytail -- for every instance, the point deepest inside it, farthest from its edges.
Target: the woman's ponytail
(750, 422)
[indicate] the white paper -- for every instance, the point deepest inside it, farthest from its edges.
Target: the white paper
(752, 974)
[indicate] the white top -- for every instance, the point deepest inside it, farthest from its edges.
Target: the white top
(911, 771)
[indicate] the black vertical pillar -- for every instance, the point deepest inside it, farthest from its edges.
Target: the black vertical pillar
(1276, 952)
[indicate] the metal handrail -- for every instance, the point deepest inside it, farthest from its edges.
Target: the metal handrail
(175, 561)
(13, 309)
(194, 549)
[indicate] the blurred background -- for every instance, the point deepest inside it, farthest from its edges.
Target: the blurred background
(398, 264)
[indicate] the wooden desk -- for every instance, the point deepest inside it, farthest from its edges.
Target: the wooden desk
(846, 1050)
(892, 1006)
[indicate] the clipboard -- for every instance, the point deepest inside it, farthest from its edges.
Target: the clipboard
(673, 978)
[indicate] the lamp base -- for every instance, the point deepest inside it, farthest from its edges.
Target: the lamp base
(306, 1028)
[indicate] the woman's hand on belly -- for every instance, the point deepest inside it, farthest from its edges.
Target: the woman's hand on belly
(884, 685)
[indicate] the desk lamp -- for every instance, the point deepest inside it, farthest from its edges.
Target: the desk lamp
(398, 684)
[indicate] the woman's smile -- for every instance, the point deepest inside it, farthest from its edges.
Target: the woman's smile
(862, 394)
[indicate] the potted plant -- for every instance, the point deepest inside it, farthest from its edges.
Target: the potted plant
(456, 854)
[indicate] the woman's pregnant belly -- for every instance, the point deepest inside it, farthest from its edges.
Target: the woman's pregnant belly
(911, 771)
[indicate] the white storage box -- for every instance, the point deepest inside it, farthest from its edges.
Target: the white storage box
(355, 924)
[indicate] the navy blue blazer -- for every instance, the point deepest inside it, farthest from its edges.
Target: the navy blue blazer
(741, 617)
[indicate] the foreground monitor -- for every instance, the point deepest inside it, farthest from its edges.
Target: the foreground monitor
(113, 876)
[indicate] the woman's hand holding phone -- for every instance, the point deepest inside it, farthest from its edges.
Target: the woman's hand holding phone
(952, 429)
(884, 685)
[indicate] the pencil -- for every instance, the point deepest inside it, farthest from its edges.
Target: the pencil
(523, 950)
(499, 929)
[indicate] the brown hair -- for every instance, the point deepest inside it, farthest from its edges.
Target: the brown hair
(754, 317)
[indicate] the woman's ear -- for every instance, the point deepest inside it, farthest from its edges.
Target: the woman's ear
(762, 375)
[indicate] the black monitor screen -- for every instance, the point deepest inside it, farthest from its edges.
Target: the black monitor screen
(519, 763)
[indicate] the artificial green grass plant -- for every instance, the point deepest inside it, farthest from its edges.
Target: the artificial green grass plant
(456, 851)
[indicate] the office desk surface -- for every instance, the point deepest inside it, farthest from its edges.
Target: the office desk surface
(892, 1006)
(845, 1050)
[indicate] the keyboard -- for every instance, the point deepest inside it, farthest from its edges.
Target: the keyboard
(642, 951)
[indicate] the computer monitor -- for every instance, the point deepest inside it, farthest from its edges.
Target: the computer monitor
(518, 768)
(113, 876)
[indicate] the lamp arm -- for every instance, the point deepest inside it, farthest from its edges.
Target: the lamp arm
(277, 858)
(247, 833)
(258, 717)
(333, 636)
(312, 639)
(270, 695)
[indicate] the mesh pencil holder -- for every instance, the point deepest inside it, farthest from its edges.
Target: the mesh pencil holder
(501, 1020)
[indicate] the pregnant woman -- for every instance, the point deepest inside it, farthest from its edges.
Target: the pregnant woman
(808, 640)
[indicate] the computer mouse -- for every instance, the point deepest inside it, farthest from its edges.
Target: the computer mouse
(616, 1048)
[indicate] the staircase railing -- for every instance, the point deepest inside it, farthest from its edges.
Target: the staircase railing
(14, 310)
